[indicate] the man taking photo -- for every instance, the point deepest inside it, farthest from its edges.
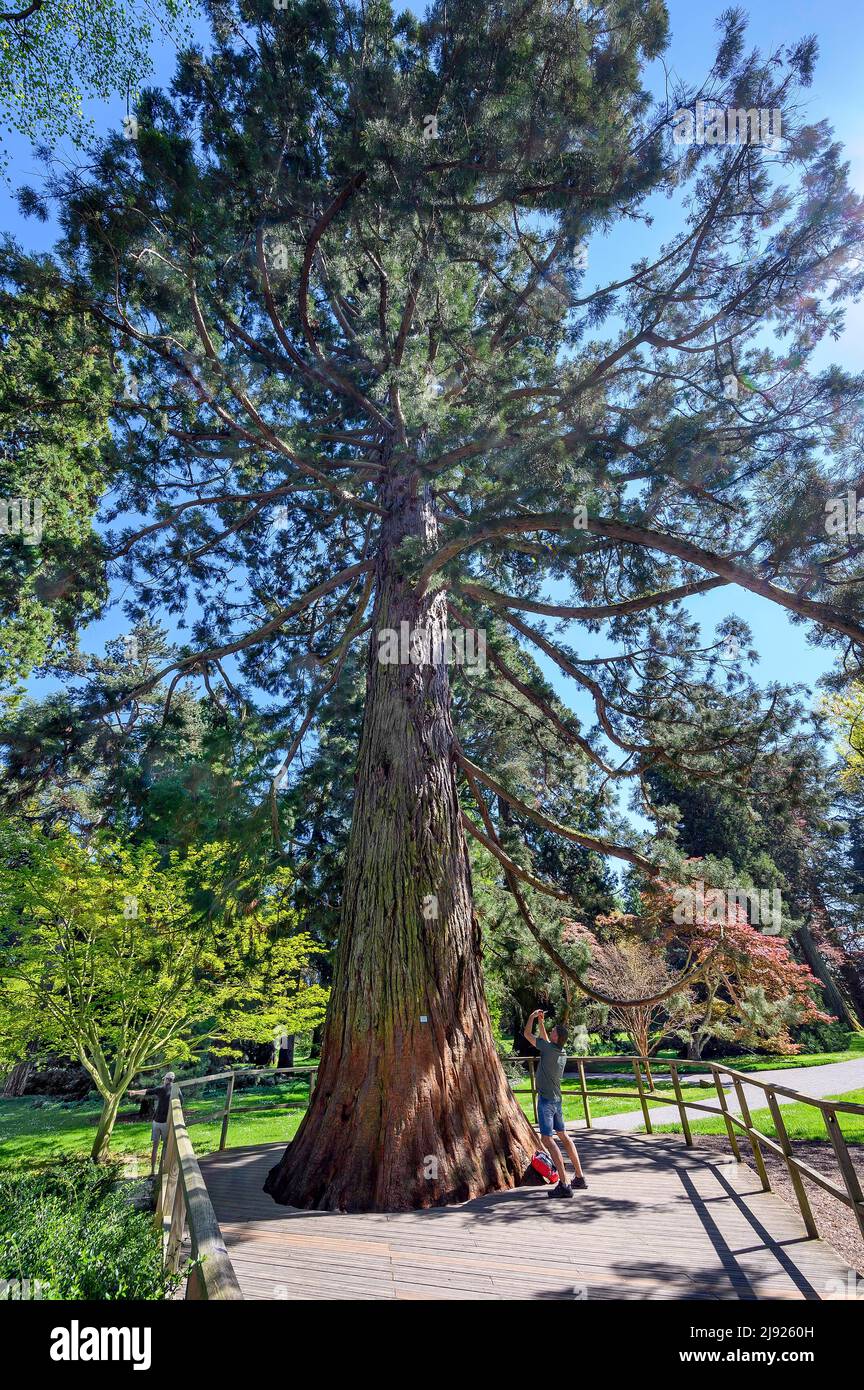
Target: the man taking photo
(550, 1114)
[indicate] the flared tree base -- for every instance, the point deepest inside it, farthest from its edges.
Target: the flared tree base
(406, 1129)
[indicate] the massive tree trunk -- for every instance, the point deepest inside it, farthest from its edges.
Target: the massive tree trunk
(411, 1107)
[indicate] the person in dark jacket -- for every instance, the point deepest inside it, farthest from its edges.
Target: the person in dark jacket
(159, 1130)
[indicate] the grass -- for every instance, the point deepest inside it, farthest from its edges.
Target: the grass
(754, 1061)
(571, 1097)
(801, 1121)
(853, 1053)
(75, 1231)
(35, 1132)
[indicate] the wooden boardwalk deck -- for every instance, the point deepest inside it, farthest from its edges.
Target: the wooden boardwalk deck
(659, 1221)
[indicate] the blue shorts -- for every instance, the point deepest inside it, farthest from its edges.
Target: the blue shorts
(549, 1116)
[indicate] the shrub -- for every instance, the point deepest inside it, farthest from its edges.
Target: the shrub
(75, 1230)
(823, 1037)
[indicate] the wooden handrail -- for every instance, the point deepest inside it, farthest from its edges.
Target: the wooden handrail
(183, 1198)
(850, 1194)
(187, 1081)
(183, 1201)
(531, 1089)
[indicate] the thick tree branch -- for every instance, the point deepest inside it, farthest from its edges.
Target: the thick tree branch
(190, 663)
(495, 848)
(568, 734)
(591, 842)
(12, 18)
(623, 531)
(608, 610)
(551, 950)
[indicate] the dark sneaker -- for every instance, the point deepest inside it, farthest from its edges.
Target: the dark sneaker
(562, 1190)
(579, 1182)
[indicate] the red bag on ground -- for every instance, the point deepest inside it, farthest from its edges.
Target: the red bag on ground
(543, 1164)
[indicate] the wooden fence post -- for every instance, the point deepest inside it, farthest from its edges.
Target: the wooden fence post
(226, 1114)
(846, 1166)
(584, 1085)
(532, 1075)
(794, 1175)
(682, 1110)
(754, 1142)
(637, 1072)
(169, 1178)
(177, 1229)
(724, 1110)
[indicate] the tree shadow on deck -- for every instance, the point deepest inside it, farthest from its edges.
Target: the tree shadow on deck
(670, 1205)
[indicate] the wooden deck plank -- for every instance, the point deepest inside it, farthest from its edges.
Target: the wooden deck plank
(658, 1221)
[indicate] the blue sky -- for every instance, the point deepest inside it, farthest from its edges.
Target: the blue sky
(835, 95)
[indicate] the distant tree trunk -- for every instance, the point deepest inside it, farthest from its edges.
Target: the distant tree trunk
(286, 1052)
(16, 1082)
(852, 977)
(315, 1042)
(635, 1023)
(835, 1002)
(844, 996)
(412, 1107)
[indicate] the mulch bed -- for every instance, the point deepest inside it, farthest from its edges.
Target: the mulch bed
(835, 1221)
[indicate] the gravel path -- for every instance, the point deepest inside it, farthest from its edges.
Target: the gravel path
(835, 1222)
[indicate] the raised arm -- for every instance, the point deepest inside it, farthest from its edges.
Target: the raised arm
(541, 1025)
(527, 1031)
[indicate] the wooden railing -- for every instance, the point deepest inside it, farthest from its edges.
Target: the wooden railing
(231, 1078)
(183, 1202)
(531, 1088)
(850, 1194)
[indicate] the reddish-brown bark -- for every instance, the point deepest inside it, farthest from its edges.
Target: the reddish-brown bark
(411, 1108)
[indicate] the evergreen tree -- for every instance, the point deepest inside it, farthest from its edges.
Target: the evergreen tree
(343, 266)
(55, 398)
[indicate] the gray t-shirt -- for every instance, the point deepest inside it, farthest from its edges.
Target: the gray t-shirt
(552, 1062)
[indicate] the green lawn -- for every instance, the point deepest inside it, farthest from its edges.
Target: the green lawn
(801, 1121)
(35, 1131)
(853, 1053)
(749, 1062)
(607, 1105)
(32, 1134)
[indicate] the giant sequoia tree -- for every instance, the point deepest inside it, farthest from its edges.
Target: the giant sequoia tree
(370, 381)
